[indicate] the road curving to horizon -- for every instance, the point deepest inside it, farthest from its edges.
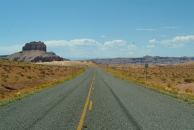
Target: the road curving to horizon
(96, 100)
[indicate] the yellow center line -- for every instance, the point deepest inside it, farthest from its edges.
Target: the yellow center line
(83, 115)
(90, 106)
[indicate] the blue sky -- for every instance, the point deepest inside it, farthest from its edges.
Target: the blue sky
(80, 29)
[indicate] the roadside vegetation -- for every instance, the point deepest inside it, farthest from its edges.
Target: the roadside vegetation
(18, 79)
(175, 80)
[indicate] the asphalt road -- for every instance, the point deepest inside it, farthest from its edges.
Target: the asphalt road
(97, 101)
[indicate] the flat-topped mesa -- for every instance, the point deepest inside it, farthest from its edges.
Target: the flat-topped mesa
(34, 46)
(35, 52)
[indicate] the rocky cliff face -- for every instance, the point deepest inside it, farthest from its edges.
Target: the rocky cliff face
(34, 46)
(35, 52)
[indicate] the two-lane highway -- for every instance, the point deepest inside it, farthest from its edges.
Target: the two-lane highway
(97, 101)
(119, 105)
(55, 108)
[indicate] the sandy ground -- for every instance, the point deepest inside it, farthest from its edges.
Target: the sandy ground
(15, 76)
(186, 86)
(178, 77)
(68, 63)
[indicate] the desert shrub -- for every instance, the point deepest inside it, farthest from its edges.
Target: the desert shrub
(178, 82)
(23, 67)
(3, 85)
(188, 80)
(163, 79)
(52, 73)
(5, 68)
(169, 85)
(188, 90)
(149, 77)
(5, 76)
(4, 80)
(43, 72)
(21, 74)
(29, 77)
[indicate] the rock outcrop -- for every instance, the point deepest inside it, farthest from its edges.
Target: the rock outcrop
(35, 52)
(34, 46)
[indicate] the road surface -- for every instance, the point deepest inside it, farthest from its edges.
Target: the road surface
(97, 101)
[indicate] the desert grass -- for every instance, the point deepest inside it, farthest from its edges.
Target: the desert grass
(174, 80)
(19, 79)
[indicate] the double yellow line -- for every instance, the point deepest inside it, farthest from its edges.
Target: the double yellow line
(87, 106)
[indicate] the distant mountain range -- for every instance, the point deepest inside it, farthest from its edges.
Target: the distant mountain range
(3, 56)
(144, 60)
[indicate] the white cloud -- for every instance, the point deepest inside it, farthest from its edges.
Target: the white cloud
(146, 29)
(118, 44)
(159, 28)
(151, 44)
(187, 38)
(83, 42)
(152, 41)
(71, 43)
(119, 48)
(177, 41)
(93, 48)
(170, 27)
(56, 43)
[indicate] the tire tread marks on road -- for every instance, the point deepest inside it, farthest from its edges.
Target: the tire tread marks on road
(58, 102)
(137, 126)
(86, 106)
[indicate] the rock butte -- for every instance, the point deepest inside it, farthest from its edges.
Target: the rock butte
(35, 52)
(34, 46)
